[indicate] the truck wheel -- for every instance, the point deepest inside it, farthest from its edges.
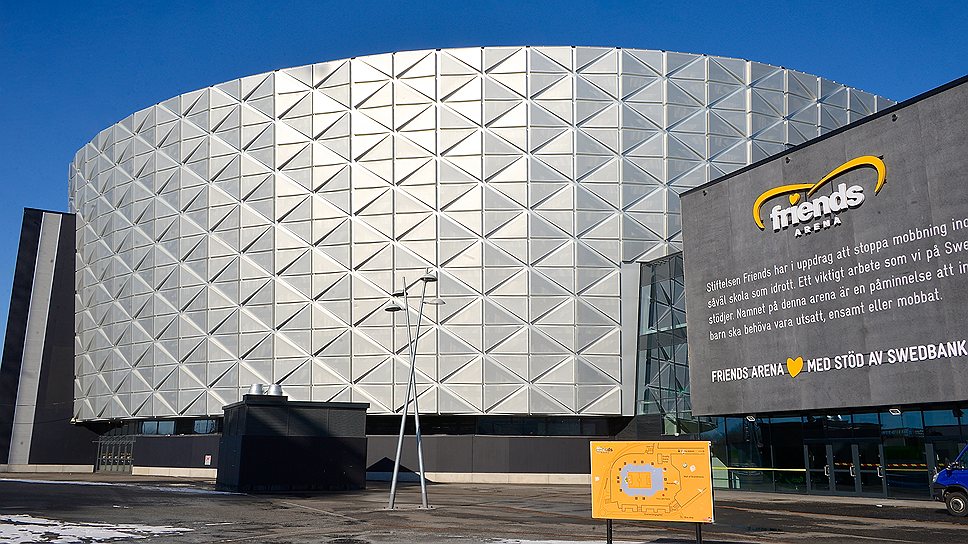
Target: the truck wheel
(957, 503)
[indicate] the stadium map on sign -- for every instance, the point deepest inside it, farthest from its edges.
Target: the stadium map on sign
(658, 481)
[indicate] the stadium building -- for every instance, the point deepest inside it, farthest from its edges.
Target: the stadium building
(253, 232)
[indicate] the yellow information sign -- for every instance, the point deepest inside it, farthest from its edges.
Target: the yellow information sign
(655, 481)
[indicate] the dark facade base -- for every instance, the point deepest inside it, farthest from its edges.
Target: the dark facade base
(294, 464)
(186, 451)
(501, 445)
(487, 454)
(271, 445)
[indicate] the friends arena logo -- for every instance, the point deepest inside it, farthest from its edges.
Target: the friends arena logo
(820, 212)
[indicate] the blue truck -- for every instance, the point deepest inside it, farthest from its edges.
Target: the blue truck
(951, 485)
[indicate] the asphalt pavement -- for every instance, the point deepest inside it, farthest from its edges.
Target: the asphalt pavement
(100, 508)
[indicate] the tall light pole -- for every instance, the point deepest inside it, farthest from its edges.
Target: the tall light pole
(412, 339)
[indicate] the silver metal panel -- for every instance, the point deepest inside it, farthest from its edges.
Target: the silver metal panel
(252, 231)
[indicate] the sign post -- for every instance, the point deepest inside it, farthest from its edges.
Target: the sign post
(652, 481)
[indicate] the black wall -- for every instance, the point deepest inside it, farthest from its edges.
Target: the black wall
(54, 440)
(187, 451)
(13, 345)
(467, 452)
(477, 453)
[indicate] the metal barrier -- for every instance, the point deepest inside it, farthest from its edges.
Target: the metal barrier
(114, 454)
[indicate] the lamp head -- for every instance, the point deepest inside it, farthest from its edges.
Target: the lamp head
(393, 306)
(429, 276)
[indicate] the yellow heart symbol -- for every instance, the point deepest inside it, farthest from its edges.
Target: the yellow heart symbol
(794, 198)
(794, 366)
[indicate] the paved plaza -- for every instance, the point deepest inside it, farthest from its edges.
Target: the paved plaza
(95, 508)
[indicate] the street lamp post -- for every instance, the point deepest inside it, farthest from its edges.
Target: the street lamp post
(412, 340)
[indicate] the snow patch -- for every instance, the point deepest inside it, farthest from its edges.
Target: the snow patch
(23, 529)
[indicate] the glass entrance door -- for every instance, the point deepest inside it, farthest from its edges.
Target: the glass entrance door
(845, 468)
(817, 458)
(870, 468)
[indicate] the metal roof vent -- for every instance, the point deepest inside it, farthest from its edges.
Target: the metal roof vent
(275, 390)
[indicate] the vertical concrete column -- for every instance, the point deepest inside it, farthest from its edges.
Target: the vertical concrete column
(36, 335)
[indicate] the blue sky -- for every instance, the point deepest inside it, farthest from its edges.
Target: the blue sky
(71, 69)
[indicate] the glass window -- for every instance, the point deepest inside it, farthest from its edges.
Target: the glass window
(540, 426)
(667, 377)
(813, 428)
(748, 455)
(942, 436)
(185, 426)
(593, 427)
(645, 307)
(664, 319)
(660, 271)
(682, 377)
(714, 430)
(685, 405)
(866, 425)
(149, 427)
(786, 444)
(786, 440)
(669, 403)
(908, 422)
(838, 426)
(166, 427)
(651, 368)
(738, 438)
(204, 426)
(942, 423)
(904, 454)
(663, 372)
(670, 425)
(679, 352)
(945, 452)
(652, 402)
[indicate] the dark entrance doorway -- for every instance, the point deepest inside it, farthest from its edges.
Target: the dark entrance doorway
(845, 467)
(114, 454)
